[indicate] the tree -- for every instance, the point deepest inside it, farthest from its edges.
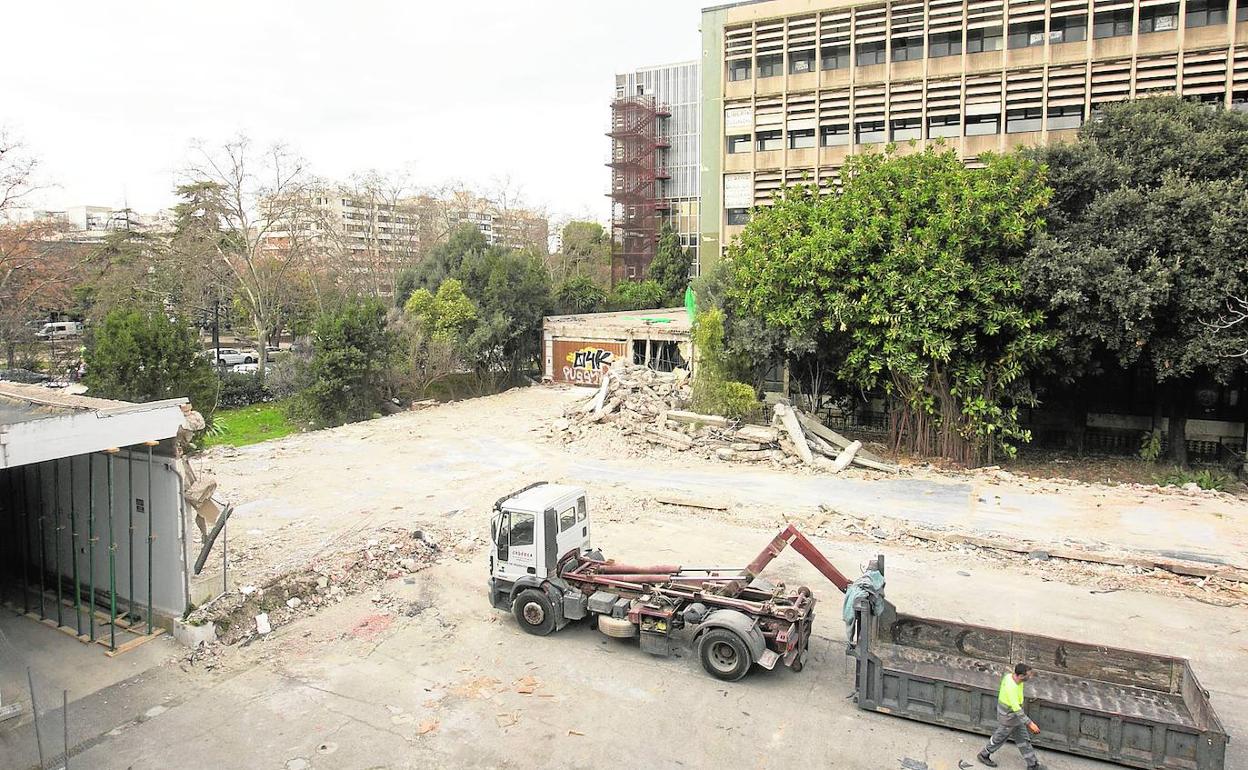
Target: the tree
(17, 169)
(438, 328)
(511, 291)
(585, 251)
(908, 277)
(579, 294)
(36, 278)
(443, 261)
(671, 266)
(351, 363)
(1147, 247)
(714, 390)
(140, 354)
(637, 295)
(247, 217)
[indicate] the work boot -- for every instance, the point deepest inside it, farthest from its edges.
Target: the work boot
(1036, 766)
(984, 759)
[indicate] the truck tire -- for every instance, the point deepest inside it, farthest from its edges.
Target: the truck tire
(617, 628)
(724, 654)
(534, 612)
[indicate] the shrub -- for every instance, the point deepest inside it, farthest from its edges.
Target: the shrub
(140, 355)
(1205, 479)
(239, 389)
(714, 392)
(353, 354)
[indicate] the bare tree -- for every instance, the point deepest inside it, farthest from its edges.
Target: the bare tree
(379, 232)
(17, 168)
(252, 218)
(1235, 321)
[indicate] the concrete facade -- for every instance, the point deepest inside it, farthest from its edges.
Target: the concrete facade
(793, 87)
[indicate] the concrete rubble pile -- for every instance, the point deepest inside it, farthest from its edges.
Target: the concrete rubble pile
(652, 405)
(250, 611)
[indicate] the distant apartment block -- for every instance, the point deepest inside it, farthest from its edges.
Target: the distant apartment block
(655, 154)
(792, 87)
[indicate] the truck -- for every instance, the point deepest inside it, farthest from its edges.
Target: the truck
(1136, 709)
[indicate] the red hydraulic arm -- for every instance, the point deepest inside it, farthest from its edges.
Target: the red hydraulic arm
(790, 535)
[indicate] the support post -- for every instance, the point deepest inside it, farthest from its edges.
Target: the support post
(65, 717)
(151, 513)
(43, 558)
(91, 541)
(25, 542)
(73, 542)
(130, 541)
(56, 539)
(112, 559)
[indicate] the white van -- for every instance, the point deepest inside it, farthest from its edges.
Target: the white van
(56, 330)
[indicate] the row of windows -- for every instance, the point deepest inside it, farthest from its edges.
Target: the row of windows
(905, 129)
(1063, 29)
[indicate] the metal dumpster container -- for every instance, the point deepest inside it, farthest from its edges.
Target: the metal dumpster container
(1133, 708)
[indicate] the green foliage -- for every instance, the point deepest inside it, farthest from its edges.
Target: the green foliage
(238, 389)
(579, 294)
(1150, 446)
(637, 295)
(447, 316)
(442, 262)
(670, 267)
(249, 425)
(908, 275)
(714, 392)
(142, 355)
(1205, 479)
(511, 291)
(352, 357)
(1147, 240)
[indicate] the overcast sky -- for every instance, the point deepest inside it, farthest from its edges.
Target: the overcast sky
(110, 95)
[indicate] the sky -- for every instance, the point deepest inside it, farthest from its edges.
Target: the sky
(110, 96)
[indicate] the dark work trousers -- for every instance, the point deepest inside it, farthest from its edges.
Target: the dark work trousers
(1012, 724)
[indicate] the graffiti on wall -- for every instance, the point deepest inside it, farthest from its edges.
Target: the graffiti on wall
(587, 365)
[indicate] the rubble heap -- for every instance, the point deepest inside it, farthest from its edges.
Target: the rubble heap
(651, 405)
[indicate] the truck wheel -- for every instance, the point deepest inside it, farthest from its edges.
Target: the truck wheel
(724, 655)
(534, 612)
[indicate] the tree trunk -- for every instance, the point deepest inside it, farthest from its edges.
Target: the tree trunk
(262, 345)
(1178, 423)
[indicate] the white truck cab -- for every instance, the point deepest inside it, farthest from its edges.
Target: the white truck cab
(531, 530)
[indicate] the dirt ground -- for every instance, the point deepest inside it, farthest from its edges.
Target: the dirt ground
(415, 669)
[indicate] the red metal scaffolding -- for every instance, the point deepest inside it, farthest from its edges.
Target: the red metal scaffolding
(637, 140)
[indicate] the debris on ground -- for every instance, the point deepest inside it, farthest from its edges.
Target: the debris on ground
(652, 406)
(252, 611)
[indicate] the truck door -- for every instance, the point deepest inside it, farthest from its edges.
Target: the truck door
(573, 527)
(515, 553)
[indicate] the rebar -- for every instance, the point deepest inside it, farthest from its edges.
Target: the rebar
(112, 562)
(65, 717)
(25, 542)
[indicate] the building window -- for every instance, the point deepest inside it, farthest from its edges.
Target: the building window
(1022, 120)
(1241, 11)
(801, 61)
(632, 271)
(835, 57)
(801, 139)
(871, 53)
(835, 136)
(943, 126)
(738, 143)
(738, 216)
(739, 70)
(770, 65)
(905, 129)
(982, 125)
(1027, 34)
(1112, 24)
(984, 39)
(1068, 29)
(869, 132)
(1205, 13)
(770, 140)
(944, 44)
(1239, 99)
(1068, 116)
(1159, 18)
(907, 48)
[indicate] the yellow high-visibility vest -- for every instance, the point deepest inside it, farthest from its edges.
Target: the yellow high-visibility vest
(1011, 693)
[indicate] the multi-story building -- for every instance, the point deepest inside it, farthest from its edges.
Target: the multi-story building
(655, 134)
(791, 87)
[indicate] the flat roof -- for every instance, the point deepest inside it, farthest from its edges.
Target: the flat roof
(38, 424)
(539, 498)
(670, 320)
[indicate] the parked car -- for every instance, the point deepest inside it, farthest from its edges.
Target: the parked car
(57, 330)
(231, 356)
(250, 368)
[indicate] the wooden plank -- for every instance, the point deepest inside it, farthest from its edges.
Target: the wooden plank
(130, 645)
(690, 502)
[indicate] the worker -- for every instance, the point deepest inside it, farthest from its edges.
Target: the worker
(1012, 721)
